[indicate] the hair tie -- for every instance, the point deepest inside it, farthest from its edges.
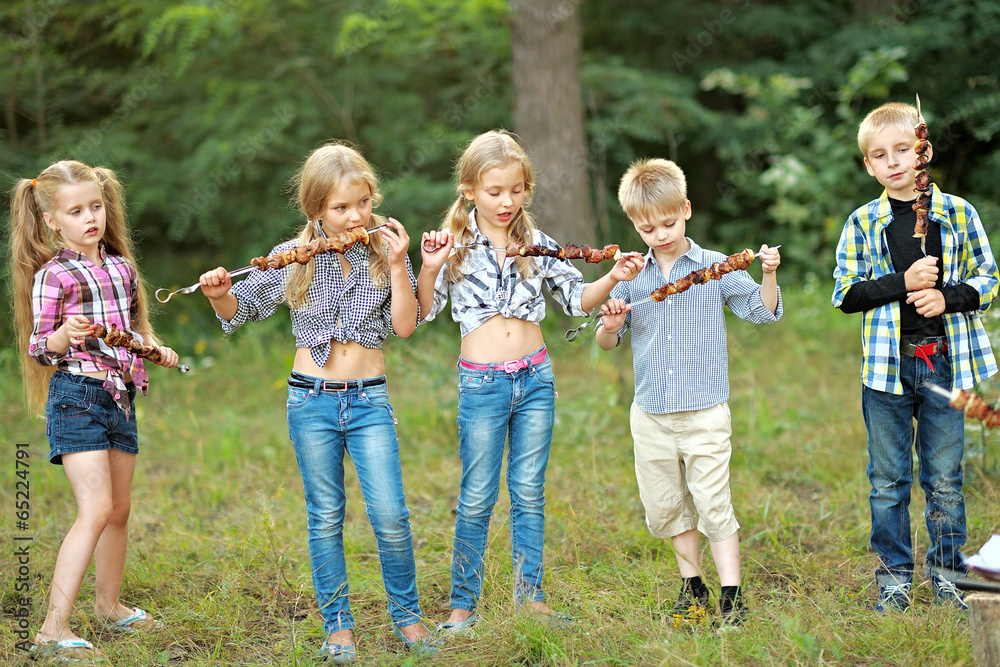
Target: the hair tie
(32, 182)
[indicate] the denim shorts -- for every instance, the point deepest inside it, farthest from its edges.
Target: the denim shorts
(81, 416)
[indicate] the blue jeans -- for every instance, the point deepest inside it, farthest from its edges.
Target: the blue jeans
(323, 425)
(493, 405)
(940, 443)
(81, 416)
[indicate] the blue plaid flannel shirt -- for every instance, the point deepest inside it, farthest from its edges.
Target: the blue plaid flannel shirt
(863, 254)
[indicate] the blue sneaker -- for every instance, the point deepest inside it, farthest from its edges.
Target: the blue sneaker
(893, 597)
(946, 593)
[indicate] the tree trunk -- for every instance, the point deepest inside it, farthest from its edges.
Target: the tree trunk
(546, 41)
(984, 626)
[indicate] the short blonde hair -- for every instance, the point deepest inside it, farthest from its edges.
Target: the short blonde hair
(652, 187)
(898, 115)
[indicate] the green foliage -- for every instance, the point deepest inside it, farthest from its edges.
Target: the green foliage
(207, 107)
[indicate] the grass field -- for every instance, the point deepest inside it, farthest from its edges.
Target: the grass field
(218, 545)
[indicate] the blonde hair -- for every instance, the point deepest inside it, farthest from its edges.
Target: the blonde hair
(32, 244)
(496, 148)
(324, 170)
(651, 188)
(898, 115)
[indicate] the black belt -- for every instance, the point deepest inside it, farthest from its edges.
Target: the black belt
(334, 385)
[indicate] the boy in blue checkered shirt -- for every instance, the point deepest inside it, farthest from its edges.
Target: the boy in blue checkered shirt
(920, 325)
(680, 418)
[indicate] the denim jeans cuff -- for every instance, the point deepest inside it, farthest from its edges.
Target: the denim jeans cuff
(893, 578)
(948, 573)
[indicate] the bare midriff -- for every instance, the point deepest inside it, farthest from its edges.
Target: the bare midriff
(347, 361)
(501, 339)
(100, 375)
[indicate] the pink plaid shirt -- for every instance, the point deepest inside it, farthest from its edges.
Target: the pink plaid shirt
(70, 284)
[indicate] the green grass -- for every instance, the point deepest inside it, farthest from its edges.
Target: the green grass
(218, 545)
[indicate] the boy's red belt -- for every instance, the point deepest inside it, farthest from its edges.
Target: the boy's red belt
(925, 351)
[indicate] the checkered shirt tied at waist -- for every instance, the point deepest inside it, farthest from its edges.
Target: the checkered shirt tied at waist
(679, 350)
(487, 289)
(70, 284)
(863, 254)
(337, 308)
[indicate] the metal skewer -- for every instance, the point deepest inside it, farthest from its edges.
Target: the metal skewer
(423, 244)
(920, 119)
(573, 333)
(232, 274)
(937, 389)
(191, 288)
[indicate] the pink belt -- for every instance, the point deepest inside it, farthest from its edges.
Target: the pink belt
(507, 366)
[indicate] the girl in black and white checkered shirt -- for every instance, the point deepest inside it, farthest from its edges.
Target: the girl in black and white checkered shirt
(342, 309)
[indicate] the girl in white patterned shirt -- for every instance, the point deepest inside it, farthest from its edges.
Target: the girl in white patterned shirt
(506, 386)
(342, 308)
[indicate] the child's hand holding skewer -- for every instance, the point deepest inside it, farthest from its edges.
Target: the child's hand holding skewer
(215, 283)
(76, 328)
(627, 267)
(397, 241)
(430, 244)
(613, 314)
(770, 258)
(168, 358)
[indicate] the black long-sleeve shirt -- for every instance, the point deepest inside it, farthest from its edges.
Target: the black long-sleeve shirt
(904, 250)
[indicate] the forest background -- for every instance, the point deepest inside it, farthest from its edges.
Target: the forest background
(206, 109)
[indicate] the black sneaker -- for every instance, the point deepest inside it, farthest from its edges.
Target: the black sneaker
(731, 606)
(691, 607)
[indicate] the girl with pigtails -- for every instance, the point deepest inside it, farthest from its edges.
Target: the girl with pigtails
(74, 268)
(506, 386)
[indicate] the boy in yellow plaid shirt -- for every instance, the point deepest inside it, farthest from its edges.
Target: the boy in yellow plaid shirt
(921, 325)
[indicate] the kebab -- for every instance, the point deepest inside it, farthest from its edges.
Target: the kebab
(738, 262)
(339, 243)
(972, 405)
(922, 180)
(302, 254)
(592, 254)
(116, 337)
